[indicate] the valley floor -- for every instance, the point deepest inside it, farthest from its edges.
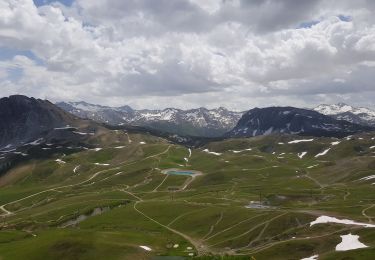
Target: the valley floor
(274, 197)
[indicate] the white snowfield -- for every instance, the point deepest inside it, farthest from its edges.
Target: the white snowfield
(65, 128)
(102, 164)
(97, 149)
(314, 257)
(208, 151)
(301, 155)
(300, 141)
(323, 153)
(142, 142)
(76, 168)
(240, 151)
(327, 219)
(312, 166)
(349, 242)
(367, 178)
(146, 248)
(82, 133)
(335, 143)
(36, 142)
(23, 154)
(59, 161)
(372, 147)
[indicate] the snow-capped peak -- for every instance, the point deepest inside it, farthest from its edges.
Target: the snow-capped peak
(342, 111)
(333, 109)
(211, 122)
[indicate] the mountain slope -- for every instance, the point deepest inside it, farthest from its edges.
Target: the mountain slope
(290, 120)
(24, 119)
(358, 115)
(194, 122)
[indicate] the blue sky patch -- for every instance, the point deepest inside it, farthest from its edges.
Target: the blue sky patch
(44, 2)
(7, 54)
(14, 73)
(345, 18)
(308, 24)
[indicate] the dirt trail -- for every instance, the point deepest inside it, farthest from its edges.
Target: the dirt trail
(266, 246)
(367, 216)
(7, 212)
(347, 193)
(214, 225)
(53, 189)
(231, 227)
(321, 186)
(259, 235)
(161, 183)
(252, 229)
(201, 249)
(183, 215)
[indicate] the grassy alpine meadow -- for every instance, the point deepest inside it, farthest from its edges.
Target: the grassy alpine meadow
(136, 196)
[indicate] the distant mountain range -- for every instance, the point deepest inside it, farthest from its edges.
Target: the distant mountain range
(290, 120)
(193, 122)
(218, 122)
(358, 115)
(25, 120)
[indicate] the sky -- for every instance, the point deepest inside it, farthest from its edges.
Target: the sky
(189, 53)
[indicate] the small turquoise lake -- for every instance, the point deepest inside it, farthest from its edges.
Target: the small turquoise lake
(191, 173)
(176, 172)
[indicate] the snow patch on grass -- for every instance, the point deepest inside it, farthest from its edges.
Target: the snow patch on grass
(323, 153)
(349, 242)
(76, 168)
(82, 133)
(214, 153)
(367, 178)
(59, 161)
(300, 141)
(146, 248)
(240, 151)
(327, 219)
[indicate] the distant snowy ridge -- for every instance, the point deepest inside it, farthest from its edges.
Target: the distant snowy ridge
(200, 121)
(342, 111)
(295, 121)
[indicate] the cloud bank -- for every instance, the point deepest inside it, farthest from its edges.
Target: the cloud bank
(189, 53)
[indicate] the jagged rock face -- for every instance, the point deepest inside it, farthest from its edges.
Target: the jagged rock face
(24, 119)
(357, 115)
(198, 122)
(290, 120)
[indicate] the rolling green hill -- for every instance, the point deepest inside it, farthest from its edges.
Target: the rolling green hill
(248, 198)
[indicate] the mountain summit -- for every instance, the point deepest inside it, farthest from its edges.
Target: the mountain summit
(290, 120)
(194, 122)
(342, 111)
(25, 119)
